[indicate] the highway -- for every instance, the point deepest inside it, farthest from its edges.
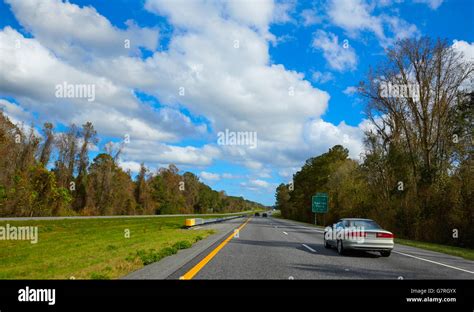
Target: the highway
(271, 248)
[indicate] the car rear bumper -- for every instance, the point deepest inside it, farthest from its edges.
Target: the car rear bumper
(368, 245)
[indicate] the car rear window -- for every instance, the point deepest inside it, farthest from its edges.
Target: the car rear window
(367, 224)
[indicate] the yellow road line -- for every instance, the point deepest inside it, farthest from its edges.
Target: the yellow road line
(191, 273)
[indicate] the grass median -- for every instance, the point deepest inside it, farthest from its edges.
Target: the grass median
(93, 248)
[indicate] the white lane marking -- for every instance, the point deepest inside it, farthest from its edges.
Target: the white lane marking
(311, 229)
(309, 248)
(308, 228)
(438, 263)
(285, 233)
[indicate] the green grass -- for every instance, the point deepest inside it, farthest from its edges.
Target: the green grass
(93, 248)
(277, 214)
(465, 253)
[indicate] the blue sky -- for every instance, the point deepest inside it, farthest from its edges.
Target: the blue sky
(283, 70)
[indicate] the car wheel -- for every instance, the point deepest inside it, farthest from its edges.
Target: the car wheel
(340, 248)
(326, 244)
(385, 253)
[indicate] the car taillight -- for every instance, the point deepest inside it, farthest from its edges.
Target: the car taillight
(384, 235)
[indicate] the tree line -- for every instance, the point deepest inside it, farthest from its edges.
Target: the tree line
(415, 176)
(51, 175)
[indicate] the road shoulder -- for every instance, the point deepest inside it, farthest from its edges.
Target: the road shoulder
(169, 265)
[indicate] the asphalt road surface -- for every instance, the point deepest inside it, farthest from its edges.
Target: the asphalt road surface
(270, 248)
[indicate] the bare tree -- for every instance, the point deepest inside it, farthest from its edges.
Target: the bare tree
(66, 144)
(48, 143)
(89, 136)
(423, 79)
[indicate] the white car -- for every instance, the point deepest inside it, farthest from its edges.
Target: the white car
(358, 234)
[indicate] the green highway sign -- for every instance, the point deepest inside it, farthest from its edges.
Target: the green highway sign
(319, 203)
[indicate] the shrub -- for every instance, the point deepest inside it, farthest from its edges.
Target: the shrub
(182, 245)
(99, 276)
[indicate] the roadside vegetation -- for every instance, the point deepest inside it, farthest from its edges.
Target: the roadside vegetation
(465, 253)
(94, 248)
(51, 175)
(415, 177)
(276, 214)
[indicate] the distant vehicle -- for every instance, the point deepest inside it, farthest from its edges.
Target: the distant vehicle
(264, 215)
(358, 234)
(257, 214)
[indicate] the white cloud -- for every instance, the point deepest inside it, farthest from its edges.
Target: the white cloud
(159, 153)
(288, 172)
(310, 17)
(323, 135)
(264, 173)
(57, 24)
(236, 88)
(258, 185)
(209, 176)
(34, 72)
(401, 29)
(233, 88)
(226, 175)
(386, 3)
(133, 166)
(322, 77)
(252, 13)
(350, 90)
(338, 56)
(466, 48)
(19, 117)
(15, 113)
(283, 11)
(356, 16)
(433, 4)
